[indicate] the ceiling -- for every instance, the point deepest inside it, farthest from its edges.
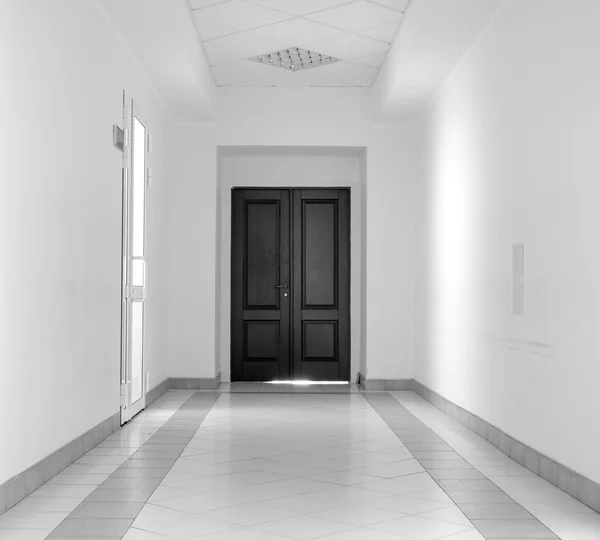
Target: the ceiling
(357, 34)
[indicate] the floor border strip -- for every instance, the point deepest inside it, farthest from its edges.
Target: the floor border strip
(432, 451)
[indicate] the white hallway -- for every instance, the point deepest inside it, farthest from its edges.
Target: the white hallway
(464, 129)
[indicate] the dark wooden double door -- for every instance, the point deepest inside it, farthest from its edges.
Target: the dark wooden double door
(290, 284)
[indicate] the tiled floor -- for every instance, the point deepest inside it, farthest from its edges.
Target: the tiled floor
(268, 466)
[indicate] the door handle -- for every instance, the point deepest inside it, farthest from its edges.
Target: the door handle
(284, 286)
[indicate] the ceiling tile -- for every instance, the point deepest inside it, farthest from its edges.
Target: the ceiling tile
(297, 32)
(237, 47)
(299, 7)
(356, 16)
(321, 76)
(239, 15)
(385, 32)
(339, 74)
(277, 77)
(399, 5)
(240, 70)
(348, 46)
(374, 60)
(211, 31)
(198, 4)
(353, 74)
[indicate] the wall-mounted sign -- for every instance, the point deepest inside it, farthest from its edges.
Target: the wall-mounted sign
(118, 137)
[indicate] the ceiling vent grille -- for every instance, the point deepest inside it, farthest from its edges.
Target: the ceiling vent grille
(295, 59)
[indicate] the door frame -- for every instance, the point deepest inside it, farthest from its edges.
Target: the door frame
(132, 293)
(321, 166)
(293, 277)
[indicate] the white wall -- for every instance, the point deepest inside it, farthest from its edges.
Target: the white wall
(292, 117)
(290, 167)
(392, 170)
(513, 145)
(63, 74)
(192, 253)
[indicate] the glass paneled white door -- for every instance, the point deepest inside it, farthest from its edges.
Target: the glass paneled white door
(135, 173)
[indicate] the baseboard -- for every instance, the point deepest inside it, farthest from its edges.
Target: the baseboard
(25, 483)
(565, 479)
(380, 385)
(181, 383)
(153, 394)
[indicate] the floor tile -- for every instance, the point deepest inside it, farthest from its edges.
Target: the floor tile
(64, 491)
(506, 528)
(358, 515)
(48, 504)
(176, 524)
(404, 504)
(303, 527)
(495, 511)
(249, 514)
(420, 528)
(23, 519)
(108, 510)
(24, 534)
(84, 528)
(269, 466)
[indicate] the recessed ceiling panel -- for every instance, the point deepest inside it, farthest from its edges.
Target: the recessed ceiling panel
(239, 15)
(296, 32)
(356, 16)
(373, 60)
(385, 32)
(238, 36)
(349, 46)
(237, 47)
(400, 5)
(212, 31)
(299, 7)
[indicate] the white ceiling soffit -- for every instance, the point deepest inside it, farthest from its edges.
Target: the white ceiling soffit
(164, 41)
(436, 35)
(352, 36)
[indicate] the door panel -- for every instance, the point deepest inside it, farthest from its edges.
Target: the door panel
(301, 330)
(262, 254)
(260, 263)
(321, 284)
(319, 260)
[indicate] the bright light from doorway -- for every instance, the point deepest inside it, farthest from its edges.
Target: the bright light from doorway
(306, 383)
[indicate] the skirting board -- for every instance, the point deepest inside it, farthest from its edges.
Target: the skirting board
(17, 488)
(380, 385)
(576, 485)
(195, 384)
(153, 394)
(25, 483)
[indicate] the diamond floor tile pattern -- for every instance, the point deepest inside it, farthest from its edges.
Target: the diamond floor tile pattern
(269, 466)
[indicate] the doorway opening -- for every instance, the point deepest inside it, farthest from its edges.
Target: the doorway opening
(290, 285)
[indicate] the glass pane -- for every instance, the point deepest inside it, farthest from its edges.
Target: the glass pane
(137, 345)
(139, 187)
(137, 272)
(125, 225)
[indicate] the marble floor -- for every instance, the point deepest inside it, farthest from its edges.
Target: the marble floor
(275, 466)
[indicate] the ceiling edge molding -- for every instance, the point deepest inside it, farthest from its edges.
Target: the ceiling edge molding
(475, 44)
(116, 33)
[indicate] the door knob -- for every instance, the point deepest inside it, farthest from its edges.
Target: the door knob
(284, 286)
